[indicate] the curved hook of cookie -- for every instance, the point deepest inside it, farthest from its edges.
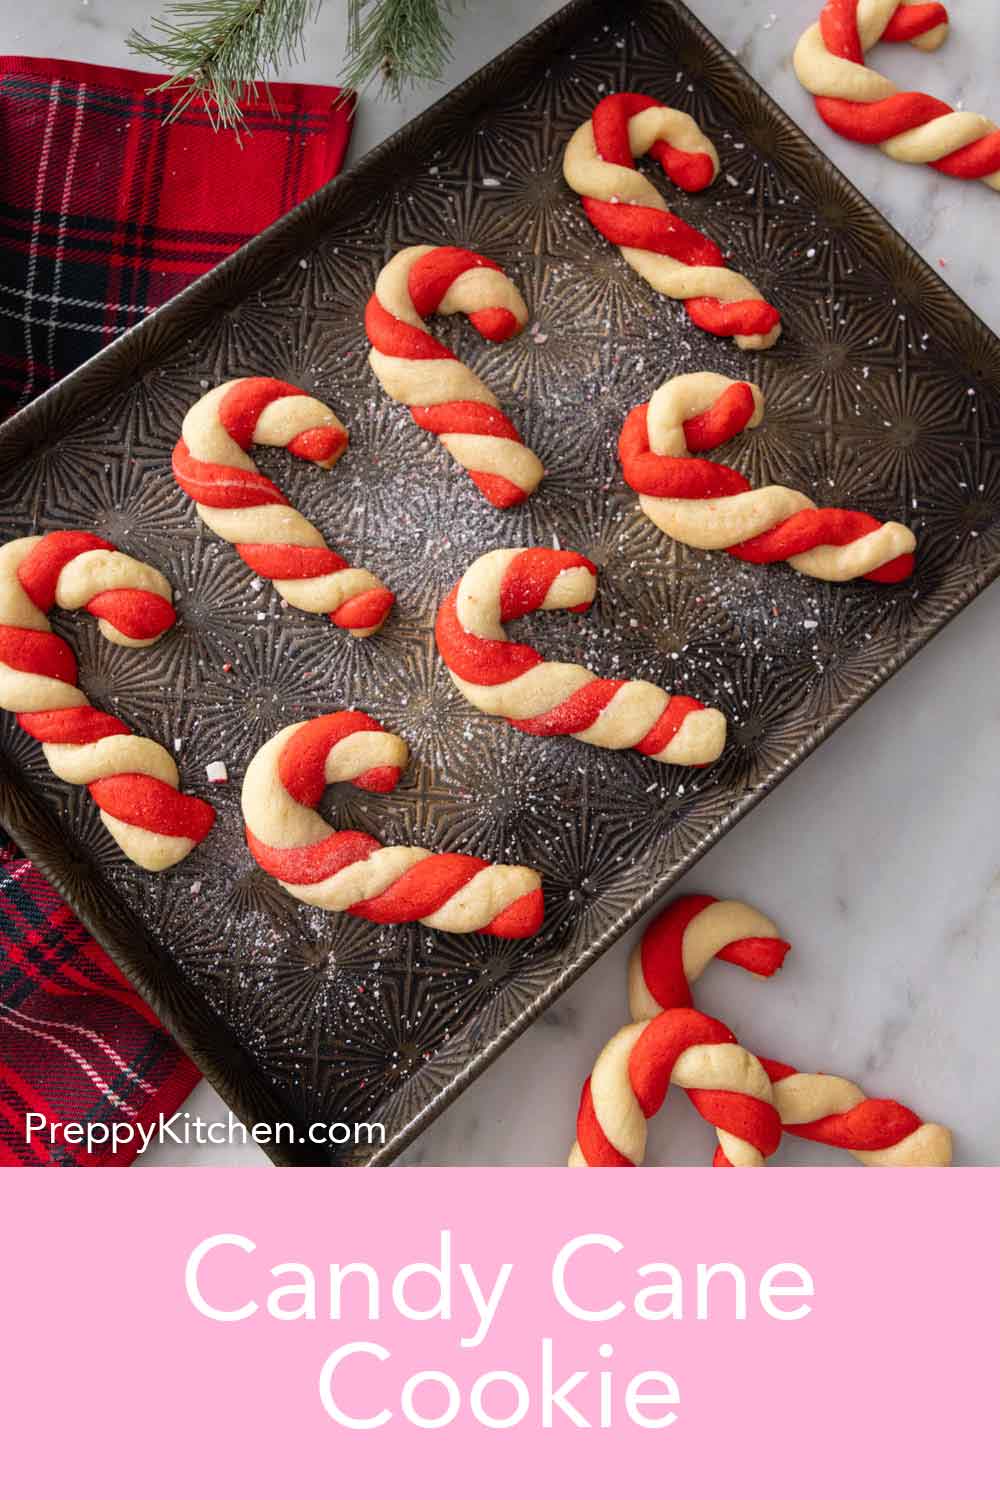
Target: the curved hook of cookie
(626, 209)
(353, 872)
(865, 106)
(705, 504)
(444, 396)
(133, 780)
(726, 1084)
(678, 945)
(542, 697)
(212, 465)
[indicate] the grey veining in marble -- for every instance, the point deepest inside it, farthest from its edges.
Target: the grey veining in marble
(880, 858)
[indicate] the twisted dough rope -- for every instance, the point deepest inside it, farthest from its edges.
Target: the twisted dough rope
(237, 502)
(864, 106)
(443, 395)
(626, 209)
(133, 780)
(878, 1132)
(352, 871)
(726, 1084)
(705, 504)
(676, 948)
(678, 945)
(541, 697)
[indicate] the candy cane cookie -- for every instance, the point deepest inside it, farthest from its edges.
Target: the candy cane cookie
(443, 394)
(541, 697)
(708, 505)
(726, 1084)
(678, 945)
(674, 951)
(133, 780)
(212, 465)
(863, 105)
(353, 872)
(626, 209)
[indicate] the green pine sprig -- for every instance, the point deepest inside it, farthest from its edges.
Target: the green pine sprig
(215, 50)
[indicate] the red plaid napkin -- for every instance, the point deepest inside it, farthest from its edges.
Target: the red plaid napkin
(105, 212)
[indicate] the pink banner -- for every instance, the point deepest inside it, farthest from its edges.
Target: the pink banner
(488, 1333)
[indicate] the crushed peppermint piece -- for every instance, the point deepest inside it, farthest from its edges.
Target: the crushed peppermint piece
(196, 887)
(216, 771)
(491, 182)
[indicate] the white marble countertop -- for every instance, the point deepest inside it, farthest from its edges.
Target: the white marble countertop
(880, 857)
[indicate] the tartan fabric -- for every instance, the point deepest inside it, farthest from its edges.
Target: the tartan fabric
(105, 212)
(76, 1042)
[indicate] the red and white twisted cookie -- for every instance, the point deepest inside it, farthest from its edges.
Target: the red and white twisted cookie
(678, 945)
(133, 780)
(676, 948)
(235, 500)
(443, 395)
(864, 106)
(879, 1132)
(749, 1100)
(726, 1084)
(542, 697)
(705, 504)
(626, 209)
(353, 872)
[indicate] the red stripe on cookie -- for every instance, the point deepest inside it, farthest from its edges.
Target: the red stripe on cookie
(37, 651)
(219, 486)
(70, 726)
(313, 862)
(474, 659)
(146, 802)
(137, 613)
(521, 919)
(302, 761)
(423, 889)
(38, 573)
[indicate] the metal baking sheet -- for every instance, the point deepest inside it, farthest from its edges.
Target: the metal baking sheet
(884, 393)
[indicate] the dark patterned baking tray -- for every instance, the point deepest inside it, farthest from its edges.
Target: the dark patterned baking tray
(884, 393)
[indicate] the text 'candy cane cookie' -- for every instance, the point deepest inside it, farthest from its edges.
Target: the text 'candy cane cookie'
(512, 681)
(626, 209)
(353, 872)
(878, 1132)
(708, 505)
(444, 396)
(236, 501)
(863, 105)
(678, 945)
(727, 1085)
(132, 780)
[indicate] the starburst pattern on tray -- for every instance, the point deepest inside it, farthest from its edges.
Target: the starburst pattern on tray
(883, 393)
